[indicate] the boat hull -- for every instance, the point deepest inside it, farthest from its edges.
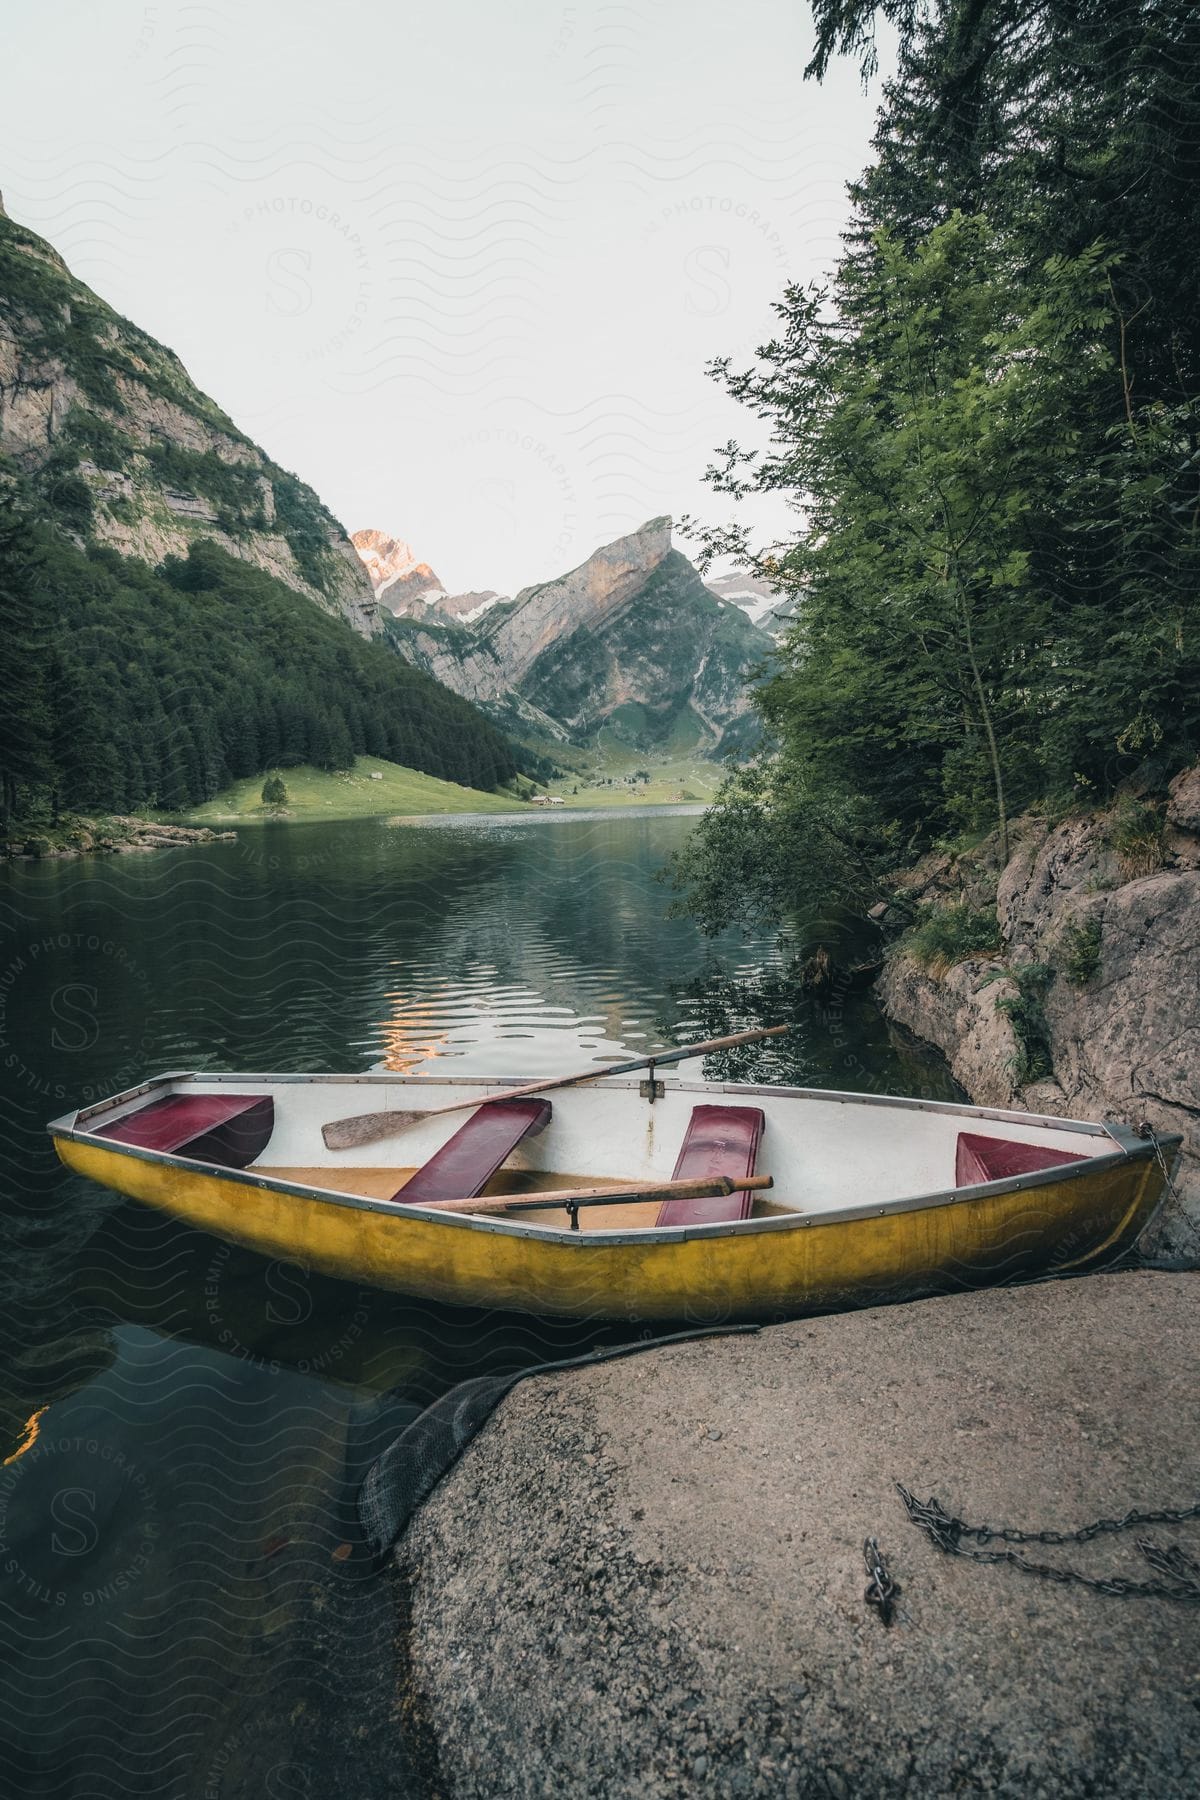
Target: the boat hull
(1045, 1226)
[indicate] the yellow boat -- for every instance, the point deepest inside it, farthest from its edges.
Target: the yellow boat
(624, 1199)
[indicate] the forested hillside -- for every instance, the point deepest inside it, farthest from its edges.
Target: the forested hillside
(122, 686)
(991, 423)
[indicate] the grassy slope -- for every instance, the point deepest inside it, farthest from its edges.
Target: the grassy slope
(669, 784)
(676, 773)
(319, 794)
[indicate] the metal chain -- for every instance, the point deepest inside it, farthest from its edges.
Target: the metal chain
(946, 1533)
(1174, 1198)
(881, 1591)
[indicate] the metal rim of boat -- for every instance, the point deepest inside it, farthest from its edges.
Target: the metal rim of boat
(1130, 1145)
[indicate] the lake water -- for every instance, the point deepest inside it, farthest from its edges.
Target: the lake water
(184, 1609)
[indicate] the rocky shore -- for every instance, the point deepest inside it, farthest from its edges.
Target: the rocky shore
(119, 834)
(1100, 934)
(647, 1577)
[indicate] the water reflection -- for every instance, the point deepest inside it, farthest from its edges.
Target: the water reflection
(838, 1039)
(174, 1528)
(556, 945)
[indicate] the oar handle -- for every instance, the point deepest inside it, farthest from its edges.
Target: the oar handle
(700, 1188)
(723, 1043)
(627, 1068)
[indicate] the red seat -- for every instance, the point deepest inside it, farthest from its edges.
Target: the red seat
(231, 1129)
(465, 1164)
(720, 1140)
(978, 1159)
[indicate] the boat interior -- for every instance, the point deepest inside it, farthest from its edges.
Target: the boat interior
(825, 1152)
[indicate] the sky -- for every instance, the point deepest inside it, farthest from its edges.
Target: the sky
(461, 267)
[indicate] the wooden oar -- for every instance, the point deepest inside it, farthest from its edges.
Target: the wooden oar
(700, 1188)
(369, 1128)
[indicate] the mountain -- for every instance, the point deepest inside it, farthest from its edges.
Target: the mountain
(406, 587)
(760, 602)
(122, 447)
(177, 611)
(467, 608)
(631, 641)
(398, 580)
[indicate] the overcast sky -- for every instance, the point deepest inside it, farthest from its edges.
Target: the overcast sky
(459, 265)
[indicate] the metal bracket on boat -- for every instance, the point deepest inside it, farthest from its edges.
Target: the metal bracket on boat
(573, 1213)
(650, 1089)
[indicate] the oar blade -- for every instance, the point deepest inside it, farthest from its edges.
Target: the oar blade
(366, 1128)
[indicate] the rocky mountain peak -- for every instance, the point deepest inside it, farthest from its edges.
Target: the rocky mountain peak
(585, 596)
(400, 581)
(409, 588)
(615, 568)
(631, 640)
(386, 557)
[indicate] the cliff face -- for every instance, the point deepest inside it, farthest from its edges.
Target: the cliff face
(631, 640)
(542, 618)
(661, 661)
(1120, 993)
(124, 449)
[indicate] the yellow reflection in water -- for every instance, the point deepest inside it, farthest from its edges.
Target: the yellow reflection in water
(409, 1037)
(32, 1427)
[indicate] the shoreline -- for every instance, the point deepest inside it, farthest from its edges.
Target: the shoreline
(559, 816)
(118, 834)
(125, 835)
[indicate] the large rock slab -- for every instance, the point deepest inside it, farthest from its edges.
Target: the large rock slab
(1124, 1034)
(646, 1577)
(1183, 802)
(957, 1013)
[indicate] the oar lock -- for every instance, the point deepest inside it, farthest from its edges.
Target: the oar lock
(650, 1089)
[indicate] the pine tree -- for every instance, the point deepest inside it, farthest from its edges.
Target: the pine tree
(25, 636)
(89, 763)
(995, 451)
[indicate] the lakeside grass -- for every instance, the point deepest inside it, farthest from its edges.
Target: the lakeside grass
(672, 779)
(346, 794)
(352, 794)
